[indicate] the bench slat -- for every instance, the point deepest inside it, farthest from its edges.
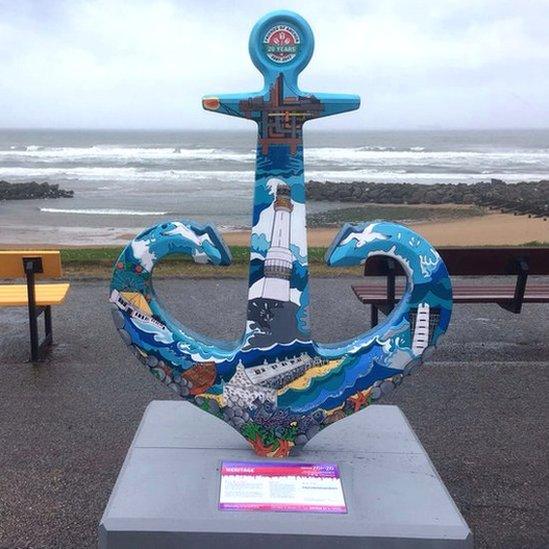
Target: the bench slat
(464, 286)
(468, 299)
(467, 287)
(476, 261)
(15, 295)
(456, 290)
(538, 293)
(11, 263)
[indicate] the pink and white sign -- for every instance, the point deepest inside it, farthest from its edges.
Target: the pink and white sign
(281, 487)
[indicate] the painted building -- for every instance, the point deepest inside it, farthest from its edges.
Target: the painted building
(282, 372)
(241, 391)
(279, 259)
(420, 328)
(280, 118)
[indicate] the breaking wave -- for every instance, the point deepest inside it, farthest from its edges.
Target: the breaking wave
(162, 158)
(101, 211)
(187, 167)
(119, 154)
(185, 177)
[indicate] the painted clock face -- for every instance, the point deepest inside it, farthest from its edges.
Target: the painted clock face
(281, 43)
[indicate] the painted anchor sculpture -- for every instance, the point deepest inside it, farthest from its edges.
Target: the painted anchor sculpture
(277, 386)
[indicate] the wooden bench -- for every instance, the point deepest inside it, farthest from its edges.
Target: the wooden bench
(39, 298)
(519, 262)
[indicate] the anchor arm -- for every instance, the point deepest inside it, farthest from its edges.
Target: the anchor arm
(143, 323)
(428, 283)
(337, 103)
(232, 104)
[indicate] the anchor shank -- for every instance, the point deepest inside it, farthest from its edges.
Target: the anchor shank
(278, 296)
(278, 280)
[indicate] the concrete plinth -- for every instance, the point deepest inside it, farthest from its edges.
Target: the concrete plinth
(168, 489)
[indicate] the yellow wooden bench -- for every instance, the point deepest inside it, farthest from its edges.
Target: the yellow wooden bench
(39, 298)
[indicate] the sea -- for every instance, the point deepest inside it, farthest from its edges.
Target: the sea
(127, 180)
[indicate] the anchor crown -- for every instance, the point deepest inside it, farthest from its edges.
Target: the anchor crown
(281, 41)
(281, 45)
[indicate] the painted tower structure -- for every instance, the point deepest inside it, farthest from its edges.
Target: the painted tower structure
(278, 264)
(421, 329)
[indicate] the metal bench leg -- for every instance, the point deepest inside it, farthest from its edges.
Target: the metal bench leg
(374, 319)
(33, 312)
(33, 325)
(31, 266)
(391, 284)
(520, 288)
(515, 305)
(47, 322)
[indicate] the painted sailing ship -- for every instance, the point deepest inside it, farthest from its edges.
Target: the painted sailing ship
(136, 306)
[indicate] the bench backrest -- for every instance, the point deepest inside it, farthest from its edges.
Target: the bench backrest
(477, 261)
(11, 263)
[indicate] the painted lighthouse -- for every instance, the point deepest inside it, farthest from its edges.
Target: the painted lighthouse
(279, 260)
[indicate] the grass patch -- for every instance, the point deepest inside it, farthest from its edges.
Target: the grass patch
(107, 256)
(86, 263)
(90, 255)
(98, 263)
(535, 244)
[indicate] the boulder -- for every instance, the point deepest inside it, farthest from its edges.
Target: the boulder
(32, 190)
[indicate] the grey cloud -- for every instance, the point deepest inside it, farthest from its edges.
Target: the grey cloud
(146, 64)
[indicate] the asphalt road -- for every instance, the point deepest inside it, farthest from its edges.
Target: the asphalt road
(479, 408)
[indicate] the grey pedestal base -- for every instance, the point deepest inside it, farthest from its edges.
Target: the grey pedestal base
(168, 489)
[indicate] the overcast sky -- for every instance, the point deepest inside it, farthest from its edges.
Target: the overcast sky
(146, 63)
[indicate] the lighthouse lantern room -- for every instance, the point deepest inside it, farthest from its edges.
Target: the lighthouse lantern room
(279, 259)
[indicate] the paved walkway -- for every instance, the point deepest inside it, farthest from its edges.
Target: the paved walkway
(479, 407)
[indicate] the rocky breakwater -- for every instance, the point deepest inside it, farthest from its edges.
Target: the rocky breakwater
(27, 191)
(527, 197)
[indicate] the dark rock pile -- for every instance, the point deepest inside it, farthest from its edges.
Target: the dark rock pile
(26, 191)
(527, 197)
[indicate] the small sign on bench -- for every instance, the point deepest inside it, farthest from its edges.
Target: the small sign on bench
(281, 487)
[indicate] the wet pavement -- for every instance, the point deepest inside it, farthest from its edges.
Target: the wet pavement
(479, 407)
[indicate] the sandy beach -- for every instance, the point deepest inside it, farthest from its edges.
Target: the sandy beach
(495, 229)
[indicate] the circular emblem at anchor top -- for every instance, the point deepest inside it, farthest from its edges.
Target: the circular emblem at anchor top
(281, 43)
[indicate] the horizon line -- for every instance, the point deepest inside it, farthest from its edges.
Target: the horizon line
(243, 130)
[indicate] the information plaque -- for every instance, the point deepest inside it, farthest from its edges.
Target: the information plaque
(281, 487)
